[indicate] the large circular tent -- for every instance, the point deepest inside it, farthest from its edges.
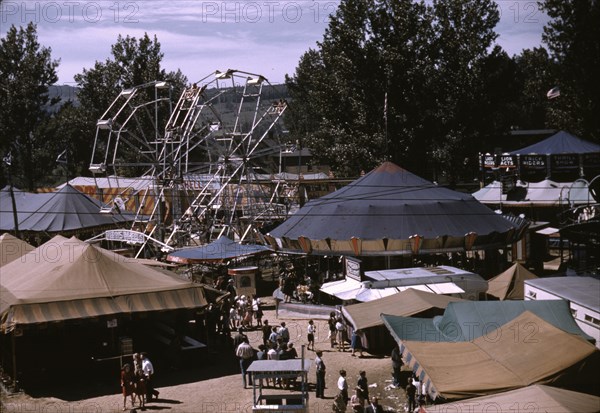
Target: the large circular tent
(391, 211)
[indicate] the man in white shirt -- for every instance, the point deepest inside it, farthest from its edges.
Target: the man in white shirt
(343, 387)
(246, 353)
(148, 370)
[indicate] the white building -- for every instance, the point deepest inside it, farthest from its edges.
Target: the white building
(583, 294)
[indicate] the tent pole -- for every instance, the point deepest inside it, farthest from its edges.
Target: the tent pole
(14, 359)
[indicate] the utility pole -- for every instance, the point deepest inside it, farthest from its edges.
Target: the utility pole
(8, 162)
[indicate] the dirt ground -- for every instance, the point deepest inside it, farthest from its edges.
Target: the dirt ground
(214, 385)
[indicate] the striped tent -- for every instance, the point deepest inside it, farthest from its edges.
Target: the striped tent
(12, 248)
(66, 279)
(522, 352)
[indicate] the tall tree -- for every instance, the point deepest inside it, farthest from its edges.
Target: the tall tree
(397, 79)
(464, 32)
(26, 70)
(134, 62)
(573, 39)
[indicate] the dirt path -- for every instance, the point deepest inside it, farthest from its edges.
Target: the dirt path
(203, 388)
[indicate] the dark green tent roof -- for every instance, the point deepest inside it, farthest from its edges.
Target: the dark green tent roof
(468, 320)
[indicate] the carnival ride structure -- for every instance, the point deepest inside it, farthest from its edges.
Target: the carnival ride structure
(210, 157)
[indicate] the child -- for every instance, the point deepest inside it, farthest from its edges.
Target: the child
(311, 330)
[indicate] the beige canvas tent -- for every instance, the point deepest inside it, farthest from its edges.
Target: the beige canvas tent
(524, 351)
(406, 303)
(509, 285)
(12, 248)
(66, 279)
(366, 316)
(536, 398)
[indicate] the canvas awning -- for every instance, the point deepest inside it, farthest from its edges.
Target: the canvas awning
(545, 193)
(498, 362)
(220, 250)
(538, 398)
(469, 320)
(406, 303)
(345, 289)
(12, 248)
(67, 279)
(560, 143)
(510, 284)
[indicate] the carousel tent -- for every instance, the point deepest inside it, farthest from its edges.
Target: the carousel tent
(12, 248)
(66, 279)
(220, 250)
(510, 284)
(514, 357)
(406, 303)
(391, 211)
(469, 320)
(66, 210)
(25, 202)
(538, 398)
(70, 210)
(559, 143)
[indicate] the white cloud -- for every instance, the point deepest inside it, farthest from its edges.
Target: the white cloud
(198, 37)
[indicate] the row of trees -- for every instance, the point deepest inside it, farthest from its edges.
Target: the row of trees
(424, 84)
(420, 83)
(35, 135)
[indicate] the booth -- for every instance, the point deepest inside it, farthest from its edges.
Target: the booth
(244, 279)
(296, 401)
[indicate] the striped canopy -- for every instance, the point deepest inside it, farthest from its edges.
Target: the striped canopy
(66, 279)
(522, 352)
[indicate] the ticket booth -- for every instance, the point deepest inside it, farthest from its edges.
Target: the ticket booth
(244, 279)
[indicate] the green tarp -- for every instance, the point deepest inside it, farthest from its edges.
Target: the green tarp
(468, 320)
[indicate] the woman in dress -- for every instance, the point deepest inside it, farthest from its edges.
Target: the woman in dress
(127, 385)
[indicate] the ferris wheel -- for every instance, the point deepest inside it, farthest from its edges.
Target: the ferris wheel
(207, 163)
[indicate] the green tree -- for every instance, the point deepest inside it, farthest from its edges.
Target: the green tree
(134, 62)
(425, 61)
(463, 34)
(573, 39)
(26, 70)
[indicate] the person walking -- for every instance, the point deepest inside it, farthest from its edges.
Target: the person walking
(411, 392)
(363, 385)
(396, 365)
(245, 353)
(310, 334)
(332, 331)
(148, 369)
(320, 367)
(340, 328)
(356, 343)
(127, 385)
(342, 385)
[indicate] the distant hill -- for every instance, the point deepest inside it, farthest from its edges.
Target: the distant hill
(66, 93)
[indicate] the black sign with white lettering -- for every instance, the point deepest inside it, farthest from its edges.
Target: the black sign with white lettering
(533, 161)
(591, 160)
(565, 161)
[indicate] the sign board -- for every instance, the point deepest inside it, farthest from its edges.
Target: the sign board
(591, 159)
(498, 161)
(565, 161)
(125, 235)
(353, 268)
(533, 161)
(506, 161)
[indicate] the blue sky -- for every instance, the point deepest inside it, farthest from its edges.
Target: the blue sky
(265, 36)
